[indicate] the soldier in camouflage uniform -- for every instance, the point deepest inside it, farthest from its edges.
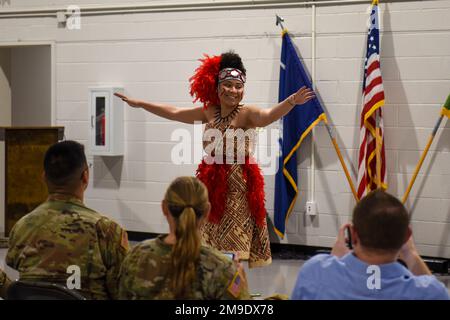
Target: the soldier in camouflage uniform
(62, 232)
(177, 266)
(4, 284)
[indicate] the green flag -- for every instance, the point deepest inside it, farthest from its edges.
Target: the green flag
(446, 108)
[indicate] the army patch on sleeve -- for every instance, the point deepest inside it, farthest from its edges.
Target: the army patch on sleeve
(235, 286)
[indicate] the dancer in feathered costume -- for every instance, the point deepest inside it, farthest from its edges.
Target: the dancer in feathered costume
(237, 221)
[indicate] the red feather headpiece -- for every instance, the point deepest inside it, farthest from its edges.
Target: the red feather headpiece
(204, 81)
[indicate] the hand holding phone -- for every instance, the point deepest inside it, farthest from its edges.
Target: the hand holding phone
(342, 246)
(348, 237)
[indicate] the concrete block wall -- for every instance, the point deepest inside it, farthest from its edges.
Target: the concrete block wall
(152, 55)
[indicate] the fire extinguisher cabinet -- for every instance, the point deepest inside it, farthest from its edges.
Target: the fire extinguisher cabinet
(106, 122)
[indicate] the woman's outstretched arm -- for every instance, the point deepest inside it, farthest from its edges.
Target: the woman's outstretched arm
(263, 117)
(186, 115)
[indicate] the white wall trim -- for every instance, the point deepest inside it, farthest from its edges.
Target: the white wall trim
(53, 83)
(51, 11)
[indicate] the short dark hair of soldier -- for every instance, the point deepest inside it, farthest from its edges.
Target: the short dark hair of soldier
(68, 232)
(64, 163)
(381, 222)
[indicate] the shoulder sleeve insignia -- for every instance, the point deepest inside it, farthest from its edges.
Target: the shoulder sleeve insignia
(235, 286)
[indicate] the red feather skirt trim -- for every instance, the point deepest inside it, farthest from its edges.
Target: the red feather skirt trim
(215, 177)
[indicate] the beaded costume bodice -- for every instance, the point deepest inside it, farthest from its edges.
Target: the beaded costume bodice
(222, 131)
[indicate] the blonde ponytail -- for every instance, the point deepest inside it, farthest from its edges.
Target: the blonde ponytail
(187, 200)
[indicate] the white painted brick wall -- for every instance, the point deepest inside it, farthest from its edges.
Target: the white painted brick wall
(153, 55)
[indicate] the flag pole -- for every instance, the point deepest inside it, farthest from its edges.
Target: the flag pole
(378, 149)
(280, 21)
(378, 142)
(445, 111)
(341, 160)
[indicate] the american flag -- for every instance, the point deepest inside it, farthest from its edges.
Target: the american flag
(373, 100)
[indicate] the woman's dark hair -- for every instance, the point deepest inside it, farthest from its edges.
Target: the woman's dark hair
(231, 59)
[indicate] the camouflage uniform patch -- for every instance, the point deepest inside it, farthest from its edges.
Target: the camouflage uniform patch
(235, 286)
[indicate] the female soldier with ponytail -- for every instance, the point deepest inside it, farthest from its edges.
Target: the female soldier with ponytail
(177, 266)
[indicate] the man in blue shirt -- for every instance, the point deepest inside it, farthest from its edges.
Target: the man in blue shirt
(380, 234)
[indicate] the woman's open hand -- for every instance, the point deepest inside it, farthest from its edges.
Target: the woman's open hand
(132, 102)
(302, 96)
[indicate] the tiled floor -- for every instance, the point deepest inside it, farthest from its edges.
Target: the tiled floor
(279, 277)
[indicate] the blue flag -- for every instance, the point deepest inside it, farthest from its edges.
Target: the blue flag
(296, 126)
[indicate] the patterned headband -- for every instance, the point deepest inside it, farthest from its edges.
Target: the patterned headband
(231, 74)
